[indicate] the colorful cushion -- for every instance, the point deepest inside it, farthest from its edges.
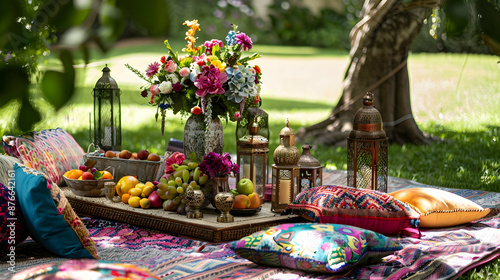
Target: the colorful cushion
(85, 269)
(363, 208)
(49, 217)
(314, 247)
(441, 208)
(12, 228)
(52, 151)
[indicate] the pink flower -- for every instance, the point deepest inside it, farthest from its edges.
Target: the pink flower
(243, 40)
(184, 72)
(210, 44)
(176, 158)
(237, 115)
(154, 91)
(152, 69)
(170, 66)
(177, 87)
(201, 60)
(210, 81)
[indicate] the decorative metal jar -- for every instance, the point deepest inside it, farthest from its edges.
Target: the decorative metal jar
(311, 171)
(252, 151)
(107, 113)
(367, 145)
(285, 176)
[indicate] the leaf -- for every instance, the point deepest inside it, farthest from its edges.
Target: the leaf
(28, 116)
(58, 87)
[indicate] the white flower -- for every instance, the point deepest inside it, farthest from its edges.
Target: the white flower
(165, 87)
(173, 78)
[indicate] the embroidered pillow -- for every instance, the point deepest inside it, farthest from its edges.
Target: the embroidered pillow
(49, 217)
(51, 151)
(441, 208)
(314, 247)
(12, 228)
(363, 208)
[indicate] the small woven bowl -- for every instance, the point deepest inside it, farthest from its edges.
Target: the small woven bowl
(87, 187)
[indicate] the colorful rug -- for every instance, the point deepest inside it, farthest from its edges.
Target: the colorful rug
(439, 254)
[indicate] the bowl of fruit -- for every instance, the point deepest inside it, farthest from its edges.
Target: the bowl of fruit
(87, 182)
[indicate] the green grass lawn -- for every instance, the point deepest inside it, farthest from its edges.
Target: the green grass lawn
(454, 96)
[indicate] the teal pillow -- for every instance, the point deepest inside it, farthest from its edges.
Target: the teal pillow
(314, 247)
(48, 216)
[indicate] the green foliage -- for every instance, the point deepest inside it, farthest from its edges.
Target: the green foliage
(295, 24)
(29, 29)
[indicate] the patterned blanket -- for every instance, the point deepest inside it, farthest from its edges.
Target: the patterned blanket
(438, 254)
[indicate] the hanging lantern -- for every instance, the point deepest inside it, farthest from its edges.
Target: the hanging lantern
(107, 113)
(251, 154)
(367, 149)
(285, 177)
(311, 171)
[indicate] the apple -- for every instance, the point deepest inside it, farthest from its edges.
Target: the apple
(245, 186)
(155, 200)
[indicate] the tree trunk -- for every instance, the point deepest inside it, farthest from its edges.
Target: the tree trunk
(379, 50)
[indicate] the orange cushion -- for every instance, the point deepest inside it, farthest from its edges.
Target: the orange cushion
(441, 208)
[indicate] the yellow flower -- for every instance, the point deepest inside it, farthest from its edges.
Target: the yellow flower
(219, 64)
(193, 25)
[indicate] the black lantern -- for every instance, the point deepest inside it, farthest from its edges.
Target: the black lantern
(311, 171)
(107, 113)
(367, 149)
(285, 177)
(252, 154)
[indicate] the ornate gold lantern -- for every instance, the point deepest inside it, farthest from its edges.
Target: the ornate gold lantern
(255, 115)
(107, 113)
(367, 149)
(311, 171)
(252, 154)
(285, 177)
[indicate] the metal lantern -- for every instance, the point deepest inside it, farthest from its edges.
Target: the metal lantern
(254, 115)
(107, 113)
(252, 154)
(285, 177)
(311, 171)
(367, 149)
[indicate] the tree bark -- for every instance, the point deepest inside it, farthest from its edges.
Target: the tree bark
(379, 50)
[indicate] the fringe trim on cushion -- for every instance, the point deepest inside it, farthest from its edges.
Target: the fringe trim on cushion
(454, 211)
(6, 165)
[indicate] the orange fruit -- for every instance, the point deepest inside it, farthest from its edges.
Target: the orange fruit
(254, 200)
(125, 184)
(125, 198)
(74, 174)
(106, 175)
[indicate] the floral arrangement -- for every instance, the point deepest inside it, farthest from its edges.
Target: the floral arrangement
(211, 79)
(218, 165)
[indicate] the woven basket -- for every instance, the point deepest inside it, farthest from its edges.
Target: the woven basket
(87, 187)
(145, 170)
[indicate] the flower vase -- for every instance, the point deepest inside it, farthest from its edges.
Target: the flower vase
(200, 140)
(219, 185)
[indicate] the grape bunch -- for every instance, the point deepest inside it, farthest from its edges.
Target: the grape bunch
(172, 188)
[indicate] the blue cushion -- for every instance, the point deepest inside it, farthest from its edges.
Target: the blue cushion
(12, 228)
(48, 216)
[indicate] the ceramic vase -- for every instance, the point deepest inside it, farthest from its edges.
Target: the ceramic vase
(199, 139)
(219, 185)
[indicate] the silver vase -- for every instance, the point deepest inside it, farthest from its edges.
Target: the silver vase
(199, 139)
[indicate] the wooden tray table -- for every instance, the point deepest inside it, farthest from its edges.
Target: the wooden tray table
(207, 228)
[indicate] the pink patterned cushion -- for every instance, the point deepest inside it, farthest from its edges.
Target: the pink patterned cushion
(51, 151)
(363, 208)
